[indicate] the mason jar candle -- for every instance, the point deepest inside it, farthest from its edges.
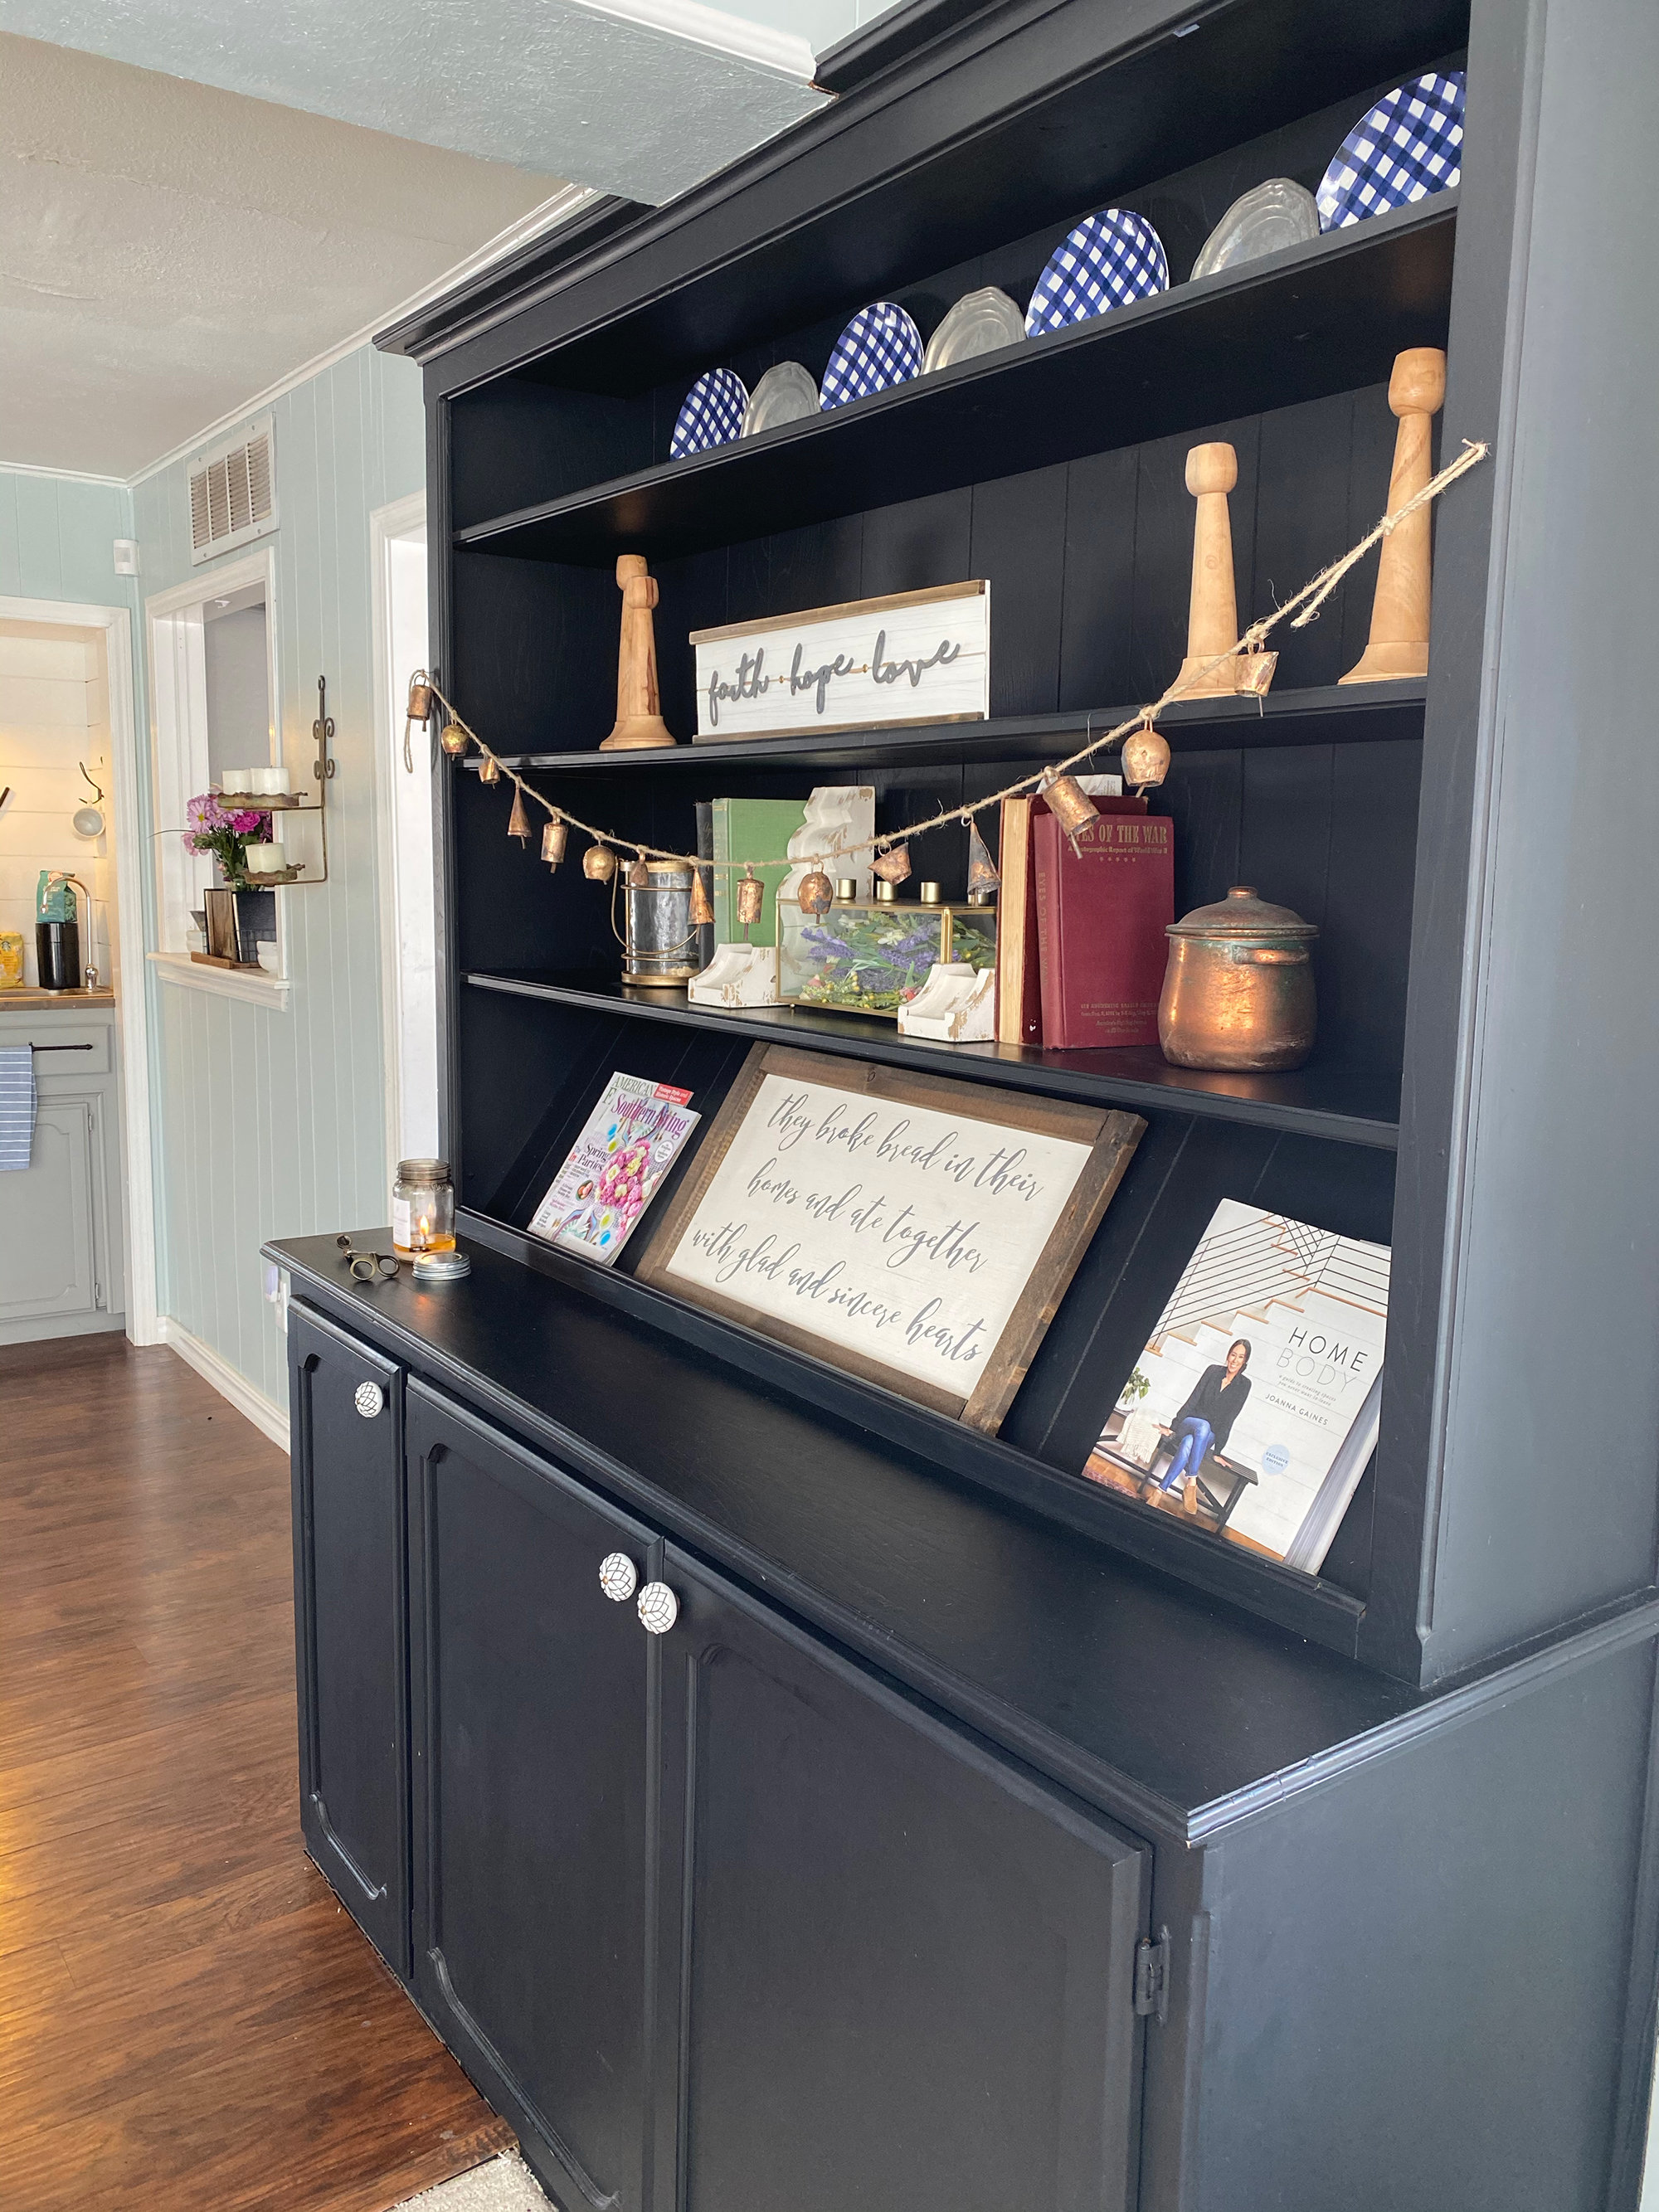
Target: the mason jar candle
(423, 1207)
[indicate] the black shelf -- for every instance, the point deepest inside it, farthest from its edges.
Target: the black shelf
(1326, 316)
(1323, 714)
(1351, 1108)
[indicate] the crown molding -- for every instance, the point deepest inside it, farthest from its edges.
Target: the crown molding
(759, 43)
(61, 476)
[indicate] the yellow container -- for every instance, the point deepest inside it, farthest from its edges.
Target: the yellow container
(11, 959)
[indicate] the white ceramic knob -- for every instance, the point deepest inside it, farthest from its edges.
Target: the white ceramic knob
(368, 1399)
(659, 1608)
(617, 1577)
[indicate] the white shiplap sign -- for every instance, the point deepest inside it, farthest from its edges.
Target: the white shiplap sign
(911, 656)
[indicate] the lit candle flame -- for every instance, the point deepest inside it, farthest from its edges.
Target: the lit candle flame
(421, 1234)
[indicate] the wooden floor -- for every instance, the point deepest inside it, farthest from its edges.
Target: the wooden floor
(187, 2019)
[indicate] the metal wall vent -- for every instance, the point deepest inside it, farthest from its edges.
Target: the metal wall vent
(233, 492)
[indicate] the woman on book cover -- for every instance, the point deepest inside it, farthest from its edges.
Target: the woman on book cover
(1206, 1421)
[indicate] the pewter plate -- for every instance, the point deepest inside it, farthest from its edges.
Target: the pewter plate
(1275, 214)
(981, 322)
(787, 394)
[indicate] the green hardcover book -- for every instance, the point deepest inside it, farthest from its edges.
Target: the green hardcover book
(752, 829)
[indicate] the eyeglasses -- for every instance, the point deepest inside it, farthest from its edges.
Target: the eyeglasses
(369, 1267)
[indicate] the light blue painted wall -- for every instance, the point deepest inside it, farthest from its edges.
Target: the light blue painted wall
(57, 535)
(272, 1123)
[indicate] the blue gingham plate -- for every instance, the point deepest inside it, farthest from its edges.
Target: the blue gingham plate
(712, 415)
(1110, 260)
(880, 346)
(1409, 146)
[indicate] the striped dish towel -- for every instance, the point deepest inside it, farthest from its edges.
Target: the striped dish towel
(16, 1105)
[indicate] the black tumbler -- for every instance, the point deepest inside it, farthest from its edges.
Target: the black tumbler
(57, 955)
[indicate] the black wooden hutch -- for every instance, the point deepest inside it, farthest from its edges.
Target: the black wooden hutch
(977, 1839)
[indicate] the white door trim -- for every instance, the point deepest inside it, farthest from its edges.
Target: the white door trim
(174, 621)
(132, 1005)
(397, 519)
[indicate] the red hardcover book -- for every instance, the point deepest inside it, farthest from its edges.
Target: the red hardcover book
(1101, 913)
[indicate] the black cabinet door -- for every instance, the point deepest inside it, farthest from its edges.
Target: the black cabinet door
(906, 1966)
(533, 1754)
(351, 1623)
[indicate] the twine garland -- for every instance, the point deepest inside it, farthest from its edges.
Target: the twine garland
(1308, 600)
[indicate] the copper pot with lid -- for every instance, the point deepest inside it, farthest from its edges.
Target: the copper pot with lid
(1238, 992)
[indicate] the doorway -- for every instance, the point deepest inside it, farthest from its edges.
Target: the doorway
(404, 796)
(67, 771)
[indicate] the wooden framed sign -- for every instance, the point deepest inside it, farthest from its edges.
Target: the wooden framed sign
(915, 1231)
(912, 657)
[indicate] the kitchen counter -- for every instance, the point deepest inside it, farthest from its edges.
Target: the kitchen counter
(28, 998)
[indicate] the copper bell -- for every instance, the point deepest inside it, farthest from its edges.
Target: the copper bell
(893, 867)
(752, 897)
(598, 864)
(702, 910)
(517, 822)
(419, 698)
(452, 737)
(1069, 803)
(553, 839)
(983, 880)
(1145, 757)
(490, 773)
(1255, 671)
(817, 893)
(639, 876)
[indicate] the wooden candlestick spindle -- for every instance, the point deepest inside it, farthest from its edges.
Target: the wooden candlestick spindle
(638, 709)
(1212, 614)
(1399, 612)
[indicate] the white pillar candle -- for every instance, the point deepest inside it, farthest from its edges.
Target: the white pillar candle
(237, 779)
(271, 781)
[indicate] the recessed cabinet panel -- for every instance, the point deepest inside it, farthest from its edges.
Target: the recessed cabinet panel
(531, 1746)
(46, 1252)
(907, 1971)
(351, 1623)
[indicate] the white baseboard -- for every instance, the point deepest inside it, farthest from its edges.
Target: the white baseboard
(234, 1389)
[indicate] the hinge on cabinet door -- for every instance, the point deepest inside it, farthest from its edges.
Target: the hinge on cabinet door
(97, 1296)
(1152, 1975)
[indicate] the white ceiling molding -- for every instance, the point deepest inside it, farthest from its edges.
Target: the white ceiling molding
(762, 44)
(67, 475)
(638, 97)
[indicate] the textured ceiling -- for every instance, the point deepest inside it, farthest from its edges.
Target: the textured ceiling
(640, 97)
(166, 251)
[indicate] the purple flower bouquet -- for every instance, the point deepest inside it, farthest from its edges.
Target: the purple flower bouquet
(211, 826)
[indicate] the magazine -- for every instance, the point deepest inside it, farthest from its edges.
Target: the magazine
(1254, 1408)
(631, 1139)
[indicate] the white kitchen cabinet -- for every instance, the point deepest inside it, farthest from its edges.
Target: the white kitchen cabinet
(61, 1227)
